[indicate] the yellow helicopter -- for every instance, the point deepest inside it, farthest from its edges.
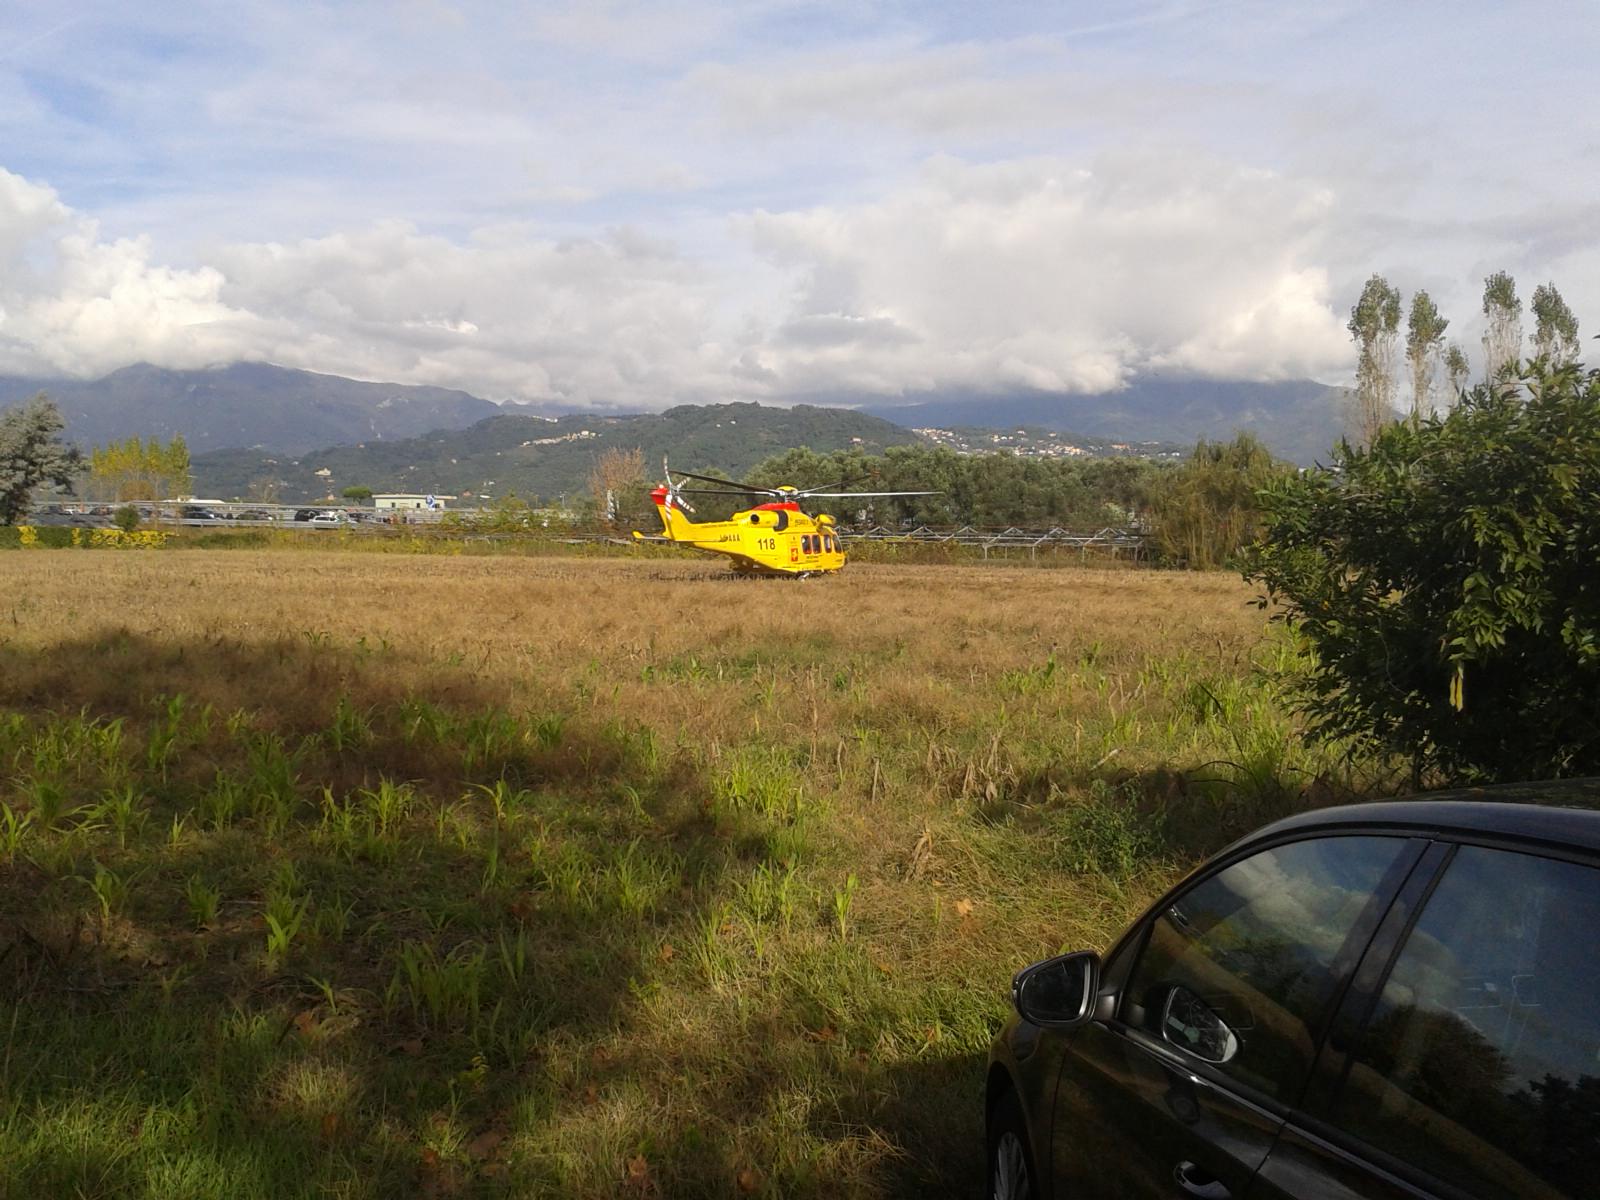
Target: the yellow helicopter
(775, 538)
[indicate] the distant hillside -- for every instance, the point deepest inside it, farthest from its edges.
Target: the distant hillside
(1299, 420)
(537, 456)
(247, 404)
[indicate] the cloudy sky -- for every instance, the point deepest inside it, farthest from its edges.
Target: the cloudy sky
(636, 205)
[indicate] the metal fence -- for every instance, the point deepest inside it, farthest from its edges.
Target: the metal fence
(472, 523)
(1113, 542)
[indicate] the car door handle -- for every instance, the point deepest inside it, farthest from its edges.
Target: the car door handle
(1198, 1182)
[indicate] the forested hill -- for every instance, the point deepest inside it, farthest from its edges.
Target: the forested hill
(537, 456)
(1298, 419)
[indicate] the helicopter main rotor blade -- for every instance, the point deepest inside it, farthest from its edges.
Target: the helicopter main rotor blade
(719, 492)
(734, 484)
(837, 495)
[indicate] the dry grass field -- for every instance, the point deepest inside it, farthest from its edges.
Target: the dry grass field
(329, 874)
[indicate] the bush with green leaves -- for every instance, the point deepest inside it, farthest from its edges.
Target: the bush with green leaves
(1447, 579)
(1206, 511)
(31, 454)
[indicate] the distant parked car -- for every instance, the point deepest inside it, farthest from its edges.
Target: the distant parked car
(305, 514)
(193, 512)
(329, 518)
(1385, 1000)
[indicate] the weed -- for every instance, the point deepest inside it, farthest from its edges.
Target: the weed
(351, 728)
(758, 779)
(123, 810)
(504, 798)
(636, 879)
(843, 899)
(165, 730)
(332, 918)
(770, 894)
(284, 912)
(487, 737)
(14, 828)
(387, 805)
(1027, 681)
(1107, 834)
(272, 784)
(442, 991)
(47, 799)
(512, 955)
(204, 902)
(110, 889)
(284, 917)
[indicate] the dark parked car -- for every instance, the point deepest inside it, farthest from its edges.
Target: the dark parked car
(1386, 1000)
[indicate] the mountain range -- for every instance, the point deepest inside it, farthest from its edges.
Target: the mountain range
(258, 427)
(247, 404)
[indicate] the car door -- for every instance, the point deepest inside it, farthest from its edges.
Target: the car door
(1465, 1060)
(1156, 1101)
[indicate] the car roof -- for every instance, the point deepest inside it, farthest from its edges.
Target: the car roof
(1563, 812)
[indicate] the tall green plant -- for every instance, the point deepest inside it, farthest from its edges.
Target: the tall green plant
(1445, 578)
(1208, 509)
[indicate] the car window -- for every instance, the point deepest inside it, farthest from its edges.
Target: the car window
(1481, 1061)
(1255, 945)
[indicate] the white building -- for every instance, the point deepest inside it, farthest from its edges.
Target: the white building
(407, 501)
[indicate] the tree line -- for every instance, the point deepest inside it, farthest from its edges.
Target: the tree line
(1374, 326)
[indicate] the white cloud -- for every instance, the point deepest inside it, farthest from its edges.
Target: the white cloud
(1042, 275)
(73, 304)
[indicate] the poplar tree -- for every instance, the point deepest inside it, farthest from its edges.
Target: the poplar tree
(138, 470)
(1555, 336)
(1502, 340)
(1375, 326)
(1456, 369)
(1424, 339)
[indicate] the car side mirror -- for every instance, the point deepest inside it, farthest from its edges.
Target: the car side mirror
(1191, 1024)
(1058, 993)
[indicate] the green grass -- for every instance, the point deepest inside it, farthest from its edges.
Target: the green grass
(323, 916)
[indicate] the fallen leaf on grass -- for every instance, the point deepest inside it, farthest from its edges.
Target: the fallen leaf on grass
(638, 1173)
(440, 1180)
(963, 908)
(826, 1034)
(485, 1143)
(330, 1126)
(749, 1180)
(666, 952)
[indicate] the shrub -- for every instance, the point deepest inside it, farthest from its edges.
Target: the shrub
(126, 518)
(1207, 511)
(1445, 580)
